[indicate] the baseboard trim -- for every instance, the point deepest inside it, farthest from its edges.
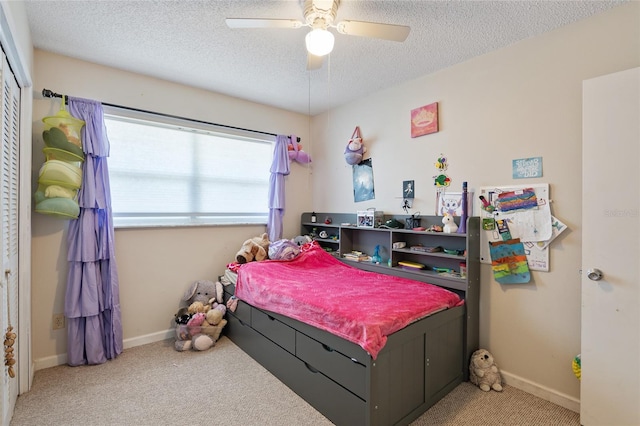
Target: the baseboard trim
(60, 359)
(149, 338)
(558, 398)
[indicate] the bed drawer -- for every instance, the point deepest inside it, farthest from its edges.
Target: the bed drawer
(340, 368)
(336, 403)
(274, 330)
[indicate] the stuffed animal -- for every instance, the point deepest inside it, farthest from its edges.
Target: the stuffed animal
(301, 240)
(484, 372)
(450, 226)
(283, 250)
(256, 248)
(294, 149)
(199, 325)
(354, 152)
(202, 291)
(216, 313)
(182, 316)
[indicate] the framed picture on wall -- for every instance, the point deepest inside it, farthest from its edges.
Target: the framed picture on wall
(424, 120)
(451, 202)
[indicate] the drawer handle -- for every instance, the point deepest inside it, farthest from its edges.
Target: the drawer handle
(310, 368)
(271, 318)
(327, 348)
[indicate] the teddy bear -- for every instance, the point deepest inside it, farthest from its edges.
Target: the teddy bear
(256, 248)
(484, 372)
(450, 226)
(354, 151)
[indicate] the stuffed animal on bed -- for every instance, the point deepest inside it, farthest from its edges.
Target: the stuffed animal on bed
(301, 240)
(283, 250)
(256, 248)
(484, 372)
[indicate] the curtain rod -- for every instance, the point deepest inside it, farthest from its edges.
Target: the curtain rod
(51, 94)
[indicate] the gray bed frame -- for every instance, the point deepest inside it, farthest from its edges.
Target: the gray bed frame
(418, 366)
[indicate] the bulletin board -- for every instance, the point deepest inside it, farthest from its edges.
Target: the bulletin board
(533, 225)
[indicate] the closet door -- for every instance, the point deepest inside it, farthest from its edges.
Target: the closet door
(610, 338)
(9, 132)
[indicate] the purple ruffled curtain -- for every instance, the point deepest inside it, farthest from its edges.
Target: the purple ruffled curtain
(279, 169)
(92, 301)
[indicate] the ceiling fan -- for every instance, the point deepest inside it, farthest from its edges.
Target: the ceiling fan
(319, 15)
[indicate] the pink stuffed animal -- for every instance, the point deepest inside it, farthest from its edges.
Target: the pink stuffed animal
(296, 153)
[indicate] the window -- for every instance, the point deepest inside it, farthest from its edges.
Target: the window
(167, 172)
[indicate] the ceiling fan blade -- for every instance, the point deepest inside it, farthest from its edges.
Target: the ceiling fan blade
(314, 62)
(262, 23)
(374, 30)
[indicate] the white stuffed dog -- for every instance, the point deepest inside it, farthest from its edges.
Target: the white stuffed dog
(484, 372)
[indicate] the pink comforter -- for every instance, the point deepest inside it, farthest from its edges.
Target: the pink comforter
(320, 290)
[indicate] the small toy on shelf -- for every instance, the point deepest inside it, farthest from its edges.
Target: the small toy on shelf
(376, 256)
(450, 226)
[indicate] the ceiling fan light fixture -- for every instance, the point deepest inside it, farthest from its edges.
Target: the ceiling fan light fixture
(319, 42)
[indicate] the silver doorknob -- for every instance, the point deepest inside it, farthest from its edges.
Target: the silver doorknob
(594, 274)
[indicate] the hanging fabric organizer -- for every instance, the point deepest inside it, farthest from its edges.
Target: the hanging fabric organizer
(60, 177)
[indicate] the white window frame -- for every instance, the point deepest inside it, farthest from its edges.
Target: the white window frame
(209, 218)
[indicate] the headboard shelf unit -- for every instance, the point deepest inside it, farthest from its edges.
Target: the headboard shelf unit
(455, 249)
(351, 237)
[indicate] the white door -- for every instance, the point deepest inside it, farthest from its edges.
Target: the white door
(9, 172)
(610, 385)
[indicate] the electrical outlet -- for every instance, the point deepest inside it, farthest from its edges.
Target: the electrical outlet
(58, 321)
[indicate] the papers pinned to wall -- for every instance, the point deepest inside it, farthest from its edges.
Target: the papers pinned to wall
(530, 221)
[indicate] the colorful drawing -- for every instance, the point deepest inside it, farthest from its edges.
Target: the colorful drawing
(521, 199)
(424, 120)
(509, 262)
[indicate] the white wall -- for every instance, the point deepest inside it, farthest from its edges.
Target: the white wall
(521, 101)
(154, 265)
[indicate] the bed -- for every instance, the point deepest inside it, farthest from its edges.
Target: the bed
(303, 321)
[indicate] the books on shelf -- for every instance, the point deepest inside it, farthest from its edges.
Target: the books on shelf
(357, 256)
(426, 249)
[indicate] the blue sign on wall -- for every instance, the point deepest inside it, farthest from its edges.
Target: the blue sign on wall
(527, 168)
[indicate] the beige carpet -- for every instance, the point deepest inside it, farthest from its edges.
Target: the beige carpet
(155, 385)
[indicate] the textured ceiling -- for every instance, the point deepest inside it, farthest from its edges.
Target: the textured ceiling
(188, 42)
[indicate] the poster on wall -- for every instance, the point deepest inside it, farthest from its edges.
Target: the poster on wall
(363, 187)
